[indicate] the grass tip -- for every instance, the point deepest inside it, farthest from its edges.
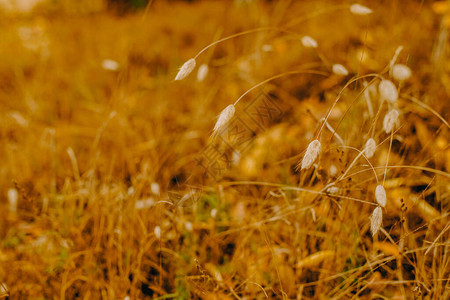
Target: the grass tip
(185, 69)
(388, 91)
(13, 199)
(224, 118)
(380, 195)
(375, 220)
(390, 120)
(369, 148)
(339, 69)
(309, 42)
(157, 232)
(361, 10)
(311, 154)
(401, 72)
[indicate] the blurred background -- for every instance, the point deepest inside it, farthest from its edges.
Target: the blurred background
(103, 195)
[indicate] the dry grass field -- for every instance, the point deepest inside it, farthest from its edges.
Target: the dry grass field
(329, 177)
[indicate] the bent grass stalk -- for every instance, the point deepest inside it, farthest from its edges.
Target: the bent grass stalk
(250, 31)
(394, 58)
(279, 76)
(321, 120)
(423, 105)
(333, 131)
(229, 111)
(387, 158)
(270, 28)
(360, 153)
(431, 170)
(339, 97)
(342, 177)
(318, 13)
(368, 100)
(292, 188)
(189, 65)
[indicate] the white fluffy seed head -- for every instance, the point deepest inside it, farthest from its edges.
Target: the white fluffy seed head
(144, 203)
(13, 200)
(154, 187)
(333, 170)
(224, 117)
(390, 120)
(188, 226)
(401, 72)
(375, 220)
(267, 48)
(311, 154)
(334, 190)
(358, 9)
(186, 69)
(202, 72)
(309, 42)
(339, 69)
(157, 232)
(380, 195)
(110, 65)
(388, 91)
(369, 148)
(4, 291)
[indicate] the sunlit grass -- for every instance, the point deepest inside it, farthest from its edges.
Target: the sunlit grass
(103, 184)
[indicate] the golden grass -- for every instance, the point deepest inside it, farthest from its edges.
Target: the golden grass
(112, 201)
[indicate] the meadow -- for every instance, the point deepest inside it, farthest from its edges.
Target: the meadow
(225, 150)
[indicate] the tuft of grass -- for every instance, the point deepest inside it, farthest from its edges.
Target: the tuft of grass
(111, 187)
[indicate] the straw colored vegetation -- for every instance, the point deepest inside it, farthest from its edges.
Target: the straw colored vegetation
(301, 151)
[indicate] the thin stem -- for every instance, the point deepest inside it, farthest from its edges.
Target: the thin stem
(245, 33)
(423, 105)
(330, 128)
(234, 36)
(315, 14)
(435, 171)
(147, 9)
(291, 188)
(353, 102)
(375, 120)
(394, 58)
(368, 100)
(361, 153)
(278, 76)
(387, 158)
(294, 22)
(339, 97)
